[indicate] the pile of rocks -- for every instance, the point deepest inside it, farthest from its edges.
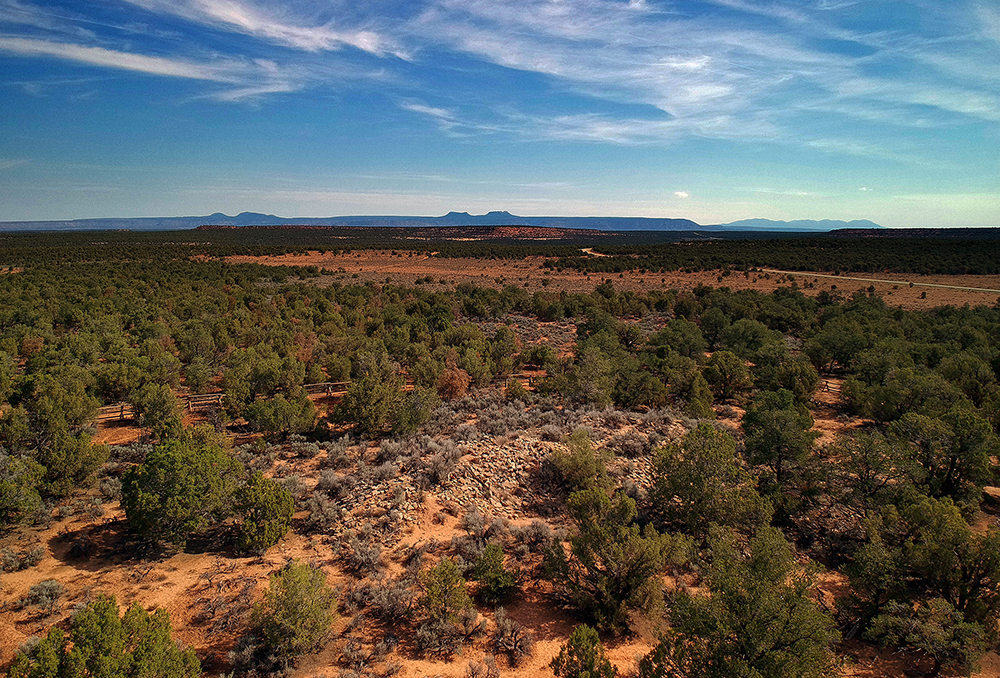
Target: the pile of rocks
(496, 478)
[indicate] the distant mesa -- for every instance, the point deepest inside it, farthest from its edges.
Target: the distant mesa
(494, 218)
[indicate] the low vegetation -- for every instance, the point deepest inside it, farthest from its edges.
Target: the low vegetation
(435, 452)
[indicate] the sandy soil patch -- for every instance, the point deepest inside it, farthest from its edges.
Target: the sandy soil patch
(927, 291)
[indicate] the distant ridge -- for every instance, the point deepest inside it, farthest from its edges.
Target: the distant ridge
(942, 233)
(495, 218)
(445, 233)
(799, 225)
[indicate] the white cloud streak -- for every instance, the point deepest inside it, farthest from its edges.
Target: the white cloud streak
(266, 23)
(990, 18)
(720, 78)
(98, 56)
(245, 79)
(738, 70)
(11, 163)
(786, 192)
(444, 117)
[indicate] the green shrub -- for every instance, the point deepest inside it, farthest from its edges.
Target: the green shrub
(612, 563)
(265, 508)
(583, 657)
(579, 464)
(759, 619)
(444, 591)
(296, 613)
(935, 629)
(701, 481)
(282, 415)
(181, 488)
(19, 479)
(69, 461)
(158, 410)
(728, 375)
(496, 583)
(103, 645)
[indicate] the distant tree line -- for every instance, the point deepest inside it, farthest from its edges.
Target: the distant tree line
(655, 251)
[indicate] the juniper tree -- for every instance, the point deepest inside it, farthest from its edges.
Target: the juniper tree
(757, 620)
(701, 481)
(180, 488)
(611, 565)
(265, 508)
(101, 644)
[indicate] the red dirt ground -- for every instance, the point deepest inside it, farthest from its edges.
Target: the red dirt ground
(179, 581)
(377, 266)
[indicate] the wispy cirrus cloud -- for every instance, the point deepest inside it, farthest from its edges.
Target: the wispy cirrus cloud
(21, 14)
(795, 193)
(276, 23)
(723, 76)
(247, 79)
(989, 17)
(66, 34)
(11, 163)
(99, 56)
(821, 74)
(445, 118)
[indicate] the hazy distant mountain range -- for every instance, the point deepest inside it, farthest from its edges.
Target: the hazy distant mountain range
(450, 219)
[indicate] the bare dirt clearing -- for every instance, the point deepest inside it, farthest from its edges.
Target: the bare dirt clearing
(406, 268)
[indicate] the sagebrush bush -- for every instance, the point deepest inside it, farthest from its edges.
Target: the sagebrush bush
(466, 433)
(111, 488)
(133, 453)
(41, 517)
(537, 534)
(324, 513)
(467, 550)
(487, 669)
(335, 485)
(364, 558)
(13, 561)
(441, 464)
(44, 595)
(336, 454)
(473, 523)
(391, 601)
(630, 445)
(551, 433)
(307, 450)
(511, 639)
(296, 487)
(437, 637)
(94, 509)
(33, 557)
(384, 471)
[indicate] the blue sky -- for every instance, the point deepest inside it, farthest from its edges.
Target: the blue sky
(712, 111)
